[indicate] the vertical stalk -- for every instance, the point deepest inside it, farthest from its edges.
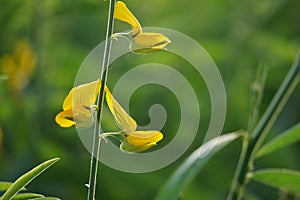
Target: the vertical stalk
(97, 126)
(262, 128)
(234, 185)
(256, 95)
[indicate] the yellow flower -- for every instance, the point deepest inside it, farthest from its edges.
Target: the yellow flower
(138, 141)
(149, 42)
(77, 106)
(133, 141)
(123, 13)
(141, 42)
(19, 66)
(77, 110)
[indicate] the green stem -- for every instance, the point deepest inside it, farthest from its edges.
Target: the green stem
(262, 128)
(234, 184)
(96, 141)
(256, 95)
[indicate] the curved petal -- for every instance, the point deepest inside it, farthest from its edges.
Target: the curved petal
(123, 13)
(68, 100)
(80, 117)
(140, 141)
(126, 123)
(149, 42)
(83, 95)
(65, 118)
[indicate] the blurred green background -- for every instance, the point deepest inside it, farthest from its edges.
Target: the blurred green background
(238, 35)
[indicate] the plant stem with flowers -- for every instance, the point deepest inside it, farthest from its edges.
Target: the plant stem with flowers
(97, 128)
(79, 106)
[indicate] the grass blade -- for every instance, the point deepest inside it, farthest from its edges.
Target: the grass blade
(46, 198)
(27, 178)
(288, 137)
(5, 185)
(192, 165)
(26, 196)
(285, 179)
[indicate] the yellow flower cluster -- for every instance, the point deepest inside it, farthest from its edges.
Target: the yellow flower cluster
(78, 110)
(78, 106)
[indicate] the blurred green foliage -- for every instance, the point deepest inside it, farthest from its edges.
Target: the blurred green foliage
(239, 35)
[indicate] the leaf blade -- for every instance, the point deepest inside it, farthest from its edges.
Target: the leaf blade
(25, 196)
(288, 137)
(279, 178)
(4, 185)
(46, 198)
(192, 165)
(27, 178)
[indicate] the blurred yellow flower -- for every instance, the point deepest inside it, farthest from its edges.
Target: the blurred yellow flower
(77, 110)
(19, 66)
(141, 42)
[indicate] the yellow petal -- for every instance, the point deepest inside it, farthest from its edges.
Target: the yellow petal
(65, 118)
(140, 140)
(149, 42)
(83, 95)
(80, 117)
(125, 122)
(77, 105)
(68, 100)
(123, 13)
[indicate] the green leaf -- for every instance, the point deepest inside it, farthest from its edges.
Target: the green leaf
(280, 178)
(26, 179)
(193, 164)
(26, 196)
(289, 137)
(248, 195)
(5, 185)
(46, 198)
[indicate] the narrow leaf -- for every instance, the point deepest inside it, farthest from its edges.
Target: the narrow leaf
(5, 185)
(279, 178)
(46, 198)
(26, 196)
(288, 137)
(193, 164)
(26, 179)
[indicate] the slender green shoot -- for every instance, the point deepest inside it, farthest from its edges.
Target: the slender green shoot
(262, 128)
(256, 95)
